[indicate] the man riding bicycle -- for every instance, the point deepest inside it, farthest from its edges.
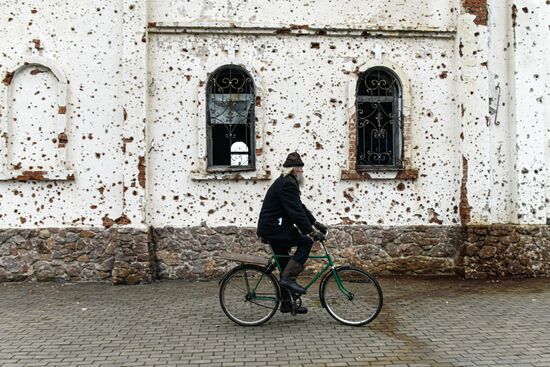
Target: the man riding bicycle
(284, 223)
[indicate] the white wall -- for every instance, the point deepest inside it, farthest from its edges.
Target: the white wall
(84, 39)
(519, 47)
(120, 139)
(299, 82)
(531, 40)
(502, 127)
(385, 14)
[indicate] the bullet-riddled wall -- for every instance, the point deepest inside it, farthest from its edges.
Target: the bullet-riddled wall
(305, 65)
(103, 134)
(69, 106)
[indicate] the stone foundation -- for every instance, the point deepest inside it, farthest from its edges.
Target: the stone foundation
(506, 251)
(71, 254)
(193, 253)
(131, 256)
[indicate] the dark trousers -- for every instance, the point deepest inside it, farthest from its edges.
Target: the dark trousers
(304, 244)
(282, 247)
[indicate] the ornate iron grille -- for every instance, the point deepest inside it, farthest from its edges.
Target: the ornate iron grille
(230, 101)
(379, 130)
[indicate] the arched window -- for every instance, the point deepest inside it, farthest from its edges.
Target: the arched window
(230, 98)
(379, 121)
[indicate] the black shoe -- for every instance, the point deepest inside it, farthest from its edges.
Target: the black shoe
(286, 307)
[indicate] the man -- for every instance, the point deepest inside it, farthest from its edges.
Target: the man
(285, 222)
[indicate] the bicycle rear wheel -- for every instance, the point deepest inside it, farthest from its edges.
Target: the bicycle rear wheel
(357, 301)
(248, 295)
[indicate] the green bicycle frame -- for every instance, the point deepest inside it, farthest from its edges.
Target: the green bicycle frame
(329, 263)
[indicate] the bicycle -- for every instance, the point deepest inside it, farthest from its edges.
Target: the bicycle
(250, 294)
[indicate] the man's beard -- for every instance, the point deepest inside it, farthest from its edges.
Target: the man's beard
(300, 179)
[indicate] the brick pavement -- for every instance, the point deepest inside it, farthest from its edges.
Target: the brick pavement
(424, 322)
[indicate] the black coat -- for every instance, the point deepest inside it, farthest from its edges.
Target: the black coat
(281, 210)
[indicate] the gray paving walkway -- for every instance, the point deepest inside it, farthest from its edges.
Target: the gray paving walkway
(425, 322)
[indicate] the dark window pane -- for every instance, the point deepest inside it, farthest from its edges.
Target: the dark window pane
(230, 79)
(220, 146)
(223, 137)
(377, 83)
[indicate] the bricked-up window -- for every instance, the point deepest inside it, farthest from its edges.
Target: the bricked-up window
(230, 98)
(379, 130)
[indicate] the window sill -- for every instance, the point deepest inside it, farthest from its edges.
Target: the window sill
(35, 175)
(259, 175)
(400, 174)
(229, 170)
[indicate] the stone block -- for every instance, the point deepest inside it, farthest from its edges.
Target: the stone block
(44, 234)
(4, 275)
(44, 271)
(106, 265)
(169, 258)
(73, 270)
(71, 237)
(88, 275)
(5, 249)
(442, 250)
(83, 258)
(11, 264)
(487, 251)
(87, 234)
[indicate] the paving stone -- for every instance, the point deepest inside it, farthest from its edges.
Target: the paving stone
(443, 322)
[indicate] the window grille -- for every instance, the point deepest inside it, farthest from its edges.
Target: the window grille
(379, 120)
(230, 98)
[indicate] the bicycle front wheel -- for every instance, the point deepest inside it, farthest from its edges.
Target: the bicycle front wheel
(352, 297)
(248, 295)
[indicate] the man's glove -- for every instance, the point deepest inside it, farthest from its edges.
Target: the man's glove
(321, 227)
(316, 235)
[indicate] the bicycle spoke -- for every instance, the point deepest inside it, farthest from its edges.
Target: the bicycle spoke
(248, 295)
(260, 305)
(234, 286)
(365, 304)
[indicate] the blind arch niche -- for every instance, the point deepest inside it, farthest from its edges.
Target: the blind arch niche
(21, 110)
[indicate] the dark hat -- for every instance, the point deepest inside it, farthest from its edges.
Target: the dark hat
(293, 160)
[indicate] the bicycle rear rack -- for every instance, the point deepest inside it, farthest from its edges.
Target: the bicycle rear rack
(245, 259)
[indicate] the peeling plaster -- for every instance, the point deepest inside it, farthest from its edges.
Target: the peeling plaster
(141, 169)
(464, 207)
(477, 8)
